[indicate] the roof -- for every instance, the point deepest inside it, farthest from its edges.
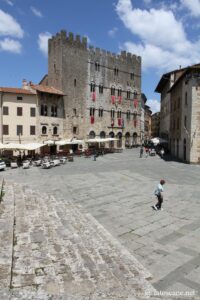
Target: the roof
(193, 67)
(16, 91)
(46, 89)
(165, 77)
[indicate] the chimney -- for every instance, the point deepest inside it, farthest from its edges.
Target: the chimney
(24, 84)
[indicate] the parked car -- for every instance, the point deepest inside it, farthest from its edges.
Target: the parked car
(2, 165)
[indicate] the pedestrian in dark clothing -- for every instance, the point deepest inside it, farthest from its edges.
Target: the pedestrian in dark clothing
(141, 151)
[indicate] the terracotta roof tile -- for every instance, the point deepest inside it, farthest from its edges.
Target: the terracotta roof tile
(16, 91)
(47, 89)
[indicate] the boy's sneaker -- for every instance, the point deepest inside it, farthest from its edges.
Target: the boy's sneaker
(155, 207)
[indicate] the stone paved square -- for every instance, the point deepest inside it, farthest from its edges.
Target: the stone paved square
(118, 191)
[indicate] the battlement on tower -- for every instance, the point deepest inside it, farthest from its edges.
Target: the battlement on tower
(81, 42)
(122, 56)
(70, 39)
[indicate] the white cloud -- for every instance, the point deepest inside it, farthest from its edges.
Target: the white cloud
(154, 105)
(36, 12)
(43, 42)
(10, 45)
(152, 26)
(158, 58)
(193, 6)
(112, 32)
(163, 42)
(9, 26)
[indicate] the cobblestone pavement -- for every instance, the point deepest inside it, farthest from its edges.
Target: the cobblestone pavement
(117, 190)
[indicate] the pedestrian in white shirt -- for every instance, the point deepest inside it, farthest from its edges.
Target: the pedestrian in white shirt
(159, 194)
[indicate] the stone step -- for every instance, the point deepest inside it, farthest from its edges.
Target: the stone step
(61, 251)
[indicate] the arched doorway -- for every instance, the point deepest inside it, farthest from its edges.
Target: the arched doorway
(92, 135)
(119, 141)
(184, 149)
(127, 140)
(102, 134)
(111, 143)
(135, 139)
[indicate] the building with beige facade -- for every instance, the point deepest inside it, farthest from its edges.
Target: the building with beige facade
(34, 113)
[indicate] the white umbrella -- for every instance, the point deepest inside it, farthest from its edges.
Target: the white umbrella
(14, 146)
(49, 142)
(158, 140)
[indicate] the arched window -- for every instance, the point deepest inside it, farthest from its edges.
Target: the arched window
(112, 91)
(100, 111)
(119, 114)
(135, 138)
(92, 135)
(101, 89)
(116, 71)
(102, 134)
(128, 114)
(92, 87)
(119, 142)
(55, 130)
(92, 111)
(44, 130)
(128, 94)
(127, 139)
(119, 92)
(112, 113)
(135, 95)
(111, 143)
(97, 66)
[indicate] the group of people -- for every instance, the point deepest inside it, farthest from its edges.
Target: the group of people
(148, 151)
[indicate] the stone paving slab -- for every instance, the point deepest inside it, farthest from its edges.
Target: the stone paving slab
(126, 183)
(61, 252)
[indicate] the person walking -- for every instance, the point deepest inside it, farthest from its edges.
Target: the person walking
(141, 151)
(162, 152)
(159, 194)
(147, 151)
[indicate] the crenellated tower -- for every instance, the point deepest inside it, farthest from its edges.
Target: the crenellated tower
(102, 89)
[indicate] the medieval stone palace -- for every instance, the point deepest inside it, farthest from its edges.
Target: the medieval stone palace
(102, 90)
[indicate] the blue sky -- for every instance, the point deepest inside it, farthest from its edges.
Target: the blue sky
(164, 33)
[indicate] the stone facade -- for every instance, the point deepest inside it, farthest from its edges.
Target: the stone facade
(147, 122)
(185, 116)
(166, 82)
(155, 124)
(102, 90)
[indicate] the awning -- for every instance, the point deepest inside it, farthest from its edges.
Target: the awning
(14, 146)
(69, 142)
(99, 140)
(49, 142)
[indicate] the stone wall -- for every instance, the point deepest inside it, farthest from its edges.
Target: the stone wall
(72, 69)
